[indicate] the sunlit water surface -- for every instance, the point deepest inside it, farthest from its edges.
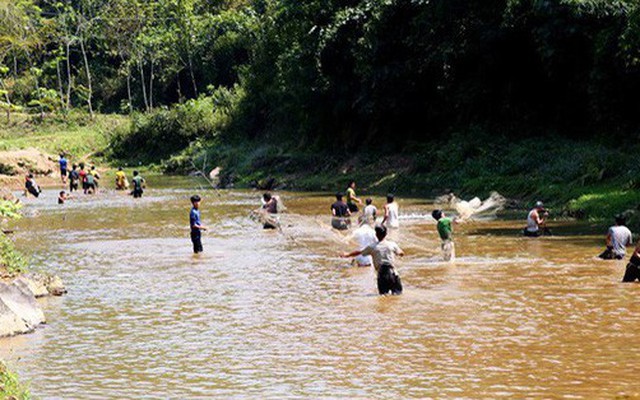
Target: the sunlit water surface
(266, 314)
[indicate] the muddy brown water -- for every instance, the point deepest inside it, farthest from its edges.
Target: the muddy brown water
(263, 314)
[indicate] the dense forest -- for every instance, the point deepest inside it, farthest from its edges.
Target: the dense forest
(325, 73)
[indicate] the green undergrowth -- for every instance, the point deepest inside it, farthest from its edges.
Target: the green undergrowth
(10, 387)
(585, 179)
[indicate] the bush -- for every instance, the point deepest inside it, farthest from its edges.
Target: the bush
(10, 388)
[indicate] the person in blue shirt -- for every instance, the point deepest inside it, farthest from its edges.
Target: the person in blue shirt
(196, 224)
(63, 168)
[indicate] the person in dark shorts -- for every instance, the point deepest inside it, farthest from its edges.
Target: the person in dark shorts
(632, 273)
(31, 186)
(96, 177)
(618, 238)
(83, 177)
(90, 183)
(341, 214)
(138, 185)
(196, 224)
(74, 178)
(63, 168)
(383, 253)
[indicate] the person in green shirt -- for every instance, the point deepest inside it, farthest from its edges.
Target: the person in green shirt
(445, 230)
(138, 185)
(352, 199)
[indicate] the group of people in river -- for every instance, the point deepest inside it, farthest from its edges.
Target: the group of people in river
(81, 177)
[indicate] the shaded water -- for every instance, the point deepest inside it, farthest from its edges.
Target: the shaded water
(263, 314)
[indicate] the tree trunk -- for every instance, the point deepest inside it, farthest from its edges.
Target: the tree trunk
(151, 87)
(193, 78)
(88, 72)
(179, 87)
(59, 74)
(144, 85)
(68, 45)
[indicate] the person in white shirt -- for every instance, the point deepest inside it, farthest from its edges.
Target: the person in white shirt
(391, 219)
(618, 238)
(383, 254)
(370, 211)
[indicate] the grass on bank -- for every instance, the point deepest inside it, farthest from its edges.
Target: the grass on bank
(77, 134)
(10, 387)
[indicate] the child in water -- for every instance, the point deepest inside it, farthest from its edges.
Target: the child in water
(196, 224)
(138, 185)
(62, 197)
(445, 230)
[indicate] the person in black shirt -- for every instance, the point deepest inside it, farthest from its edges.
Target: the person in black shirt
(341, 214)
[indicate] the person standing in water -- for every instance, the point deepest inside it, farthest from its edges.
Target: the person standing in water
(341, 214)
(391, 219)
(536, 221)
(618, 238)
(83, 177)
(352, 199)
(138, 185)
(196, 224)
(74, 178)
(365, 235)
(121, 179)
(96, 177)
(383, 254)
(445, 230)
(63, 168)
(370, 211)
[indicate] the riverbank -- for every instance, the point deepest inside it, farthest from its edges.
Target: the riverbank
(582, 179)
(10, 386)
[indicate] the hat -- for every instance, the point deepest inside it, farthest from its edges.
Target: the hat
(539, 204)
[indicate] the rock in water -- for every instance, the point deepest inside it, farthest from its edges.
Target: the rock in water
(43, 285)
(19, 311)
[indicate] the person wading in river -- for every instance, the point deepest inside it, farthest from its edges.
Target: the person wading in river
(269, 211)
(352, 199)
(383, 254)
(63, 168)
(618, 238)
(536, 221)
(138, 185)
(341, 214)
(445, 230)
(196, 224)
(391, 219)
(74, 178)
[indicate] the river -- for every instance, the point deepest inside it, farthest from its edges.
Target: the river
(264, 314)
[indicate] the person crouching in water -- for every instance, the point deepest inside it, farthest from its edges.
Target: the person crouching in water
(341, 214)
(445, 230)
(633, 267)
(63, 196)
(383, 254)
(269, 211)
(536, 221)
(196, 224)
(618, 238)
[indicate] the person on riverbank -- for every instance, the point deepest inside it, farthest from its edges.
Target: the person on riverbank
(196, 224)
(391, 213)
(383, 255)
(138, 185)
(445, 231)
(370, 211)
(618, 238)
(536, 221)
(352, 199)
(121, 180)
(63, 168)
(269, 211)
(74, 178)
(31, 186)
(341, 214)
